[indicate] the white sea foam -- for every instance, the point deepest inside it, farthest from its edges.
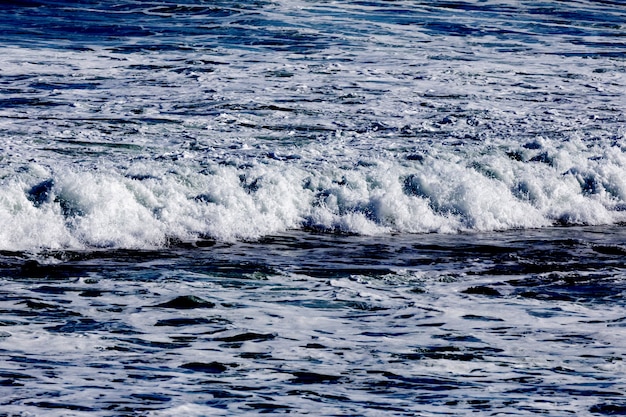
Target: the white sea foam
(404, 131)
(493, 192)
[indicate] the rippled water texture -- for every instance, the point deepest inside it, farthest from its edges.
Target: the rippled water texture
(512, 323)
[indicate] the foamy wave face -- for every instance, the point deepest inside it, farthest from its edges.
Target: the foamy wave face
(557, 183)
(145, 207)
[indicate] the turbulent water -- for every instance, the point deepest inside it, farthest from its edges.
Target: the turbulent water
(312, 207)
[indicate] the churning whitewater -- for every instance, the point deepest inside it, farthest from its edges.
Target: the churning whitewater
(144, 124)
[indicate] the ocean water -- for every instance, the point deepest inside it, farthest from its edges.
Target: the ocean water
(308, 207)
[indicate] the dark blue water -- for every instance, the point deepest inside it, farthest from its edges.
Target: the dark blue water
(310, 207)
